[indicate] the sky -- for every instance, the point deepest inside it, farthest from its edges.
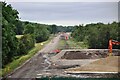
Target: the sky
(61, 0)
(67, 13)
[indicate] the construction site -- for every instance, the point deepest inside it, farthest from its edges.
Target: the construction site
(87, 61)
(77, 63)
(61, 40)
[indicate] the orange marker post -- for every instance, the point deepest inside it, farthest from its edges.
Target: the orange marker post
(110, 47)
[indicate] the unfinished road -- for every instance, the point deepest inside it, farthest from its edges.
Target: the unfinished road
(38, 64)
(63, 64)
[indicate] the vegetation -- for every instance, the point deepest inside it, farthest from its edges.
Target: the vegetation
(97, 35)
(19, 37)
(25, 43)
(41, 33)
(72, 44)
(61, 44)
(10, 43)
(20, 60)
(75, 44)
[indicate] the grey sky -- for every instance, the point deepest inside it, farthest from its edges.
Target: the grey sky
(67, 13)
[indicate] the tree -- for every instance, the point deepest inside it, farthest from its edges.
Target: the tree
(9, 41)
(97, 35)
(29, 29)
(41, 33)
(26, 43)
(19, 28)
(54, 28)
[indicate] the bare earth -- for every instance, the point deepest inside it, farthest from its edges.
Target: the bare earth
(109, 64)
(38, 64)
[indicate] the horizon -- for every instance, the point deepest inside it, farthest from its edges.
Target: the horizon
(67, 25)
(67, 13)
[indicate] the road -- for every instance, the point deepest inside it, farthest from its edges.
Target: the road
(38, 64)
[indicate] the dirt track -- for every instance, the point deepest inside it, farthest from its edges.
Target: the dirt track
(38, 64)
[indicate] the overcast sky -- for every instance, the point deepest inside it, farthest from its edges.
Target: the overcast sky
(67, 13)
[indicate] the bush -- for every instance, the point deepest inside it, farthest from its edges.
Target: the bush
(41, 34)
(26, 43)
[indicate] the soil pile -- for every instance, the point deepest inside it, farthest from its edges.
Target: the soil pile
(83, 55)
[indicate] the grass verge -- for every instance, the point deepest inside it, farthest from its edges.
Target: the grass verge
(61, 44)
(17, 62)
(74, 44)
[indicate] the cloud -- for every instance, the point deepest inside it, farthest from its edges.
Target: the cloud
(67, 13)
(61, 0)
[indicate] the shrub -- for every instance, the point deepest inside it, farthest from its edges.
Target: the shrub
(26, 43)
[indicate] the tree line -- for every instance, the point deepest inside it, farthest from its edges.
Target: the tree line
(97, 35)
(32, 33)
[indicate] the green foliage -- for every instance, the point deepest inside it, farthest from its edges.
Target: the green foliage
(19, 28)
(28, 29)
(12, 26)
(9, 41)
(26, 43)
(97, 35)
(54, 29)
(41, 33)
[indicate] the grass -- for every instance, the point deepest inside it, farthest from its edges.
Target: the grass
(17, 62)
(19, 36)
(61, 44)
(74, 44)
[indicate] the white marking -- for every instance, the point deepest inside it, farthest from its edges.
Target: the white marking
(39, 74)
(88, 72)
